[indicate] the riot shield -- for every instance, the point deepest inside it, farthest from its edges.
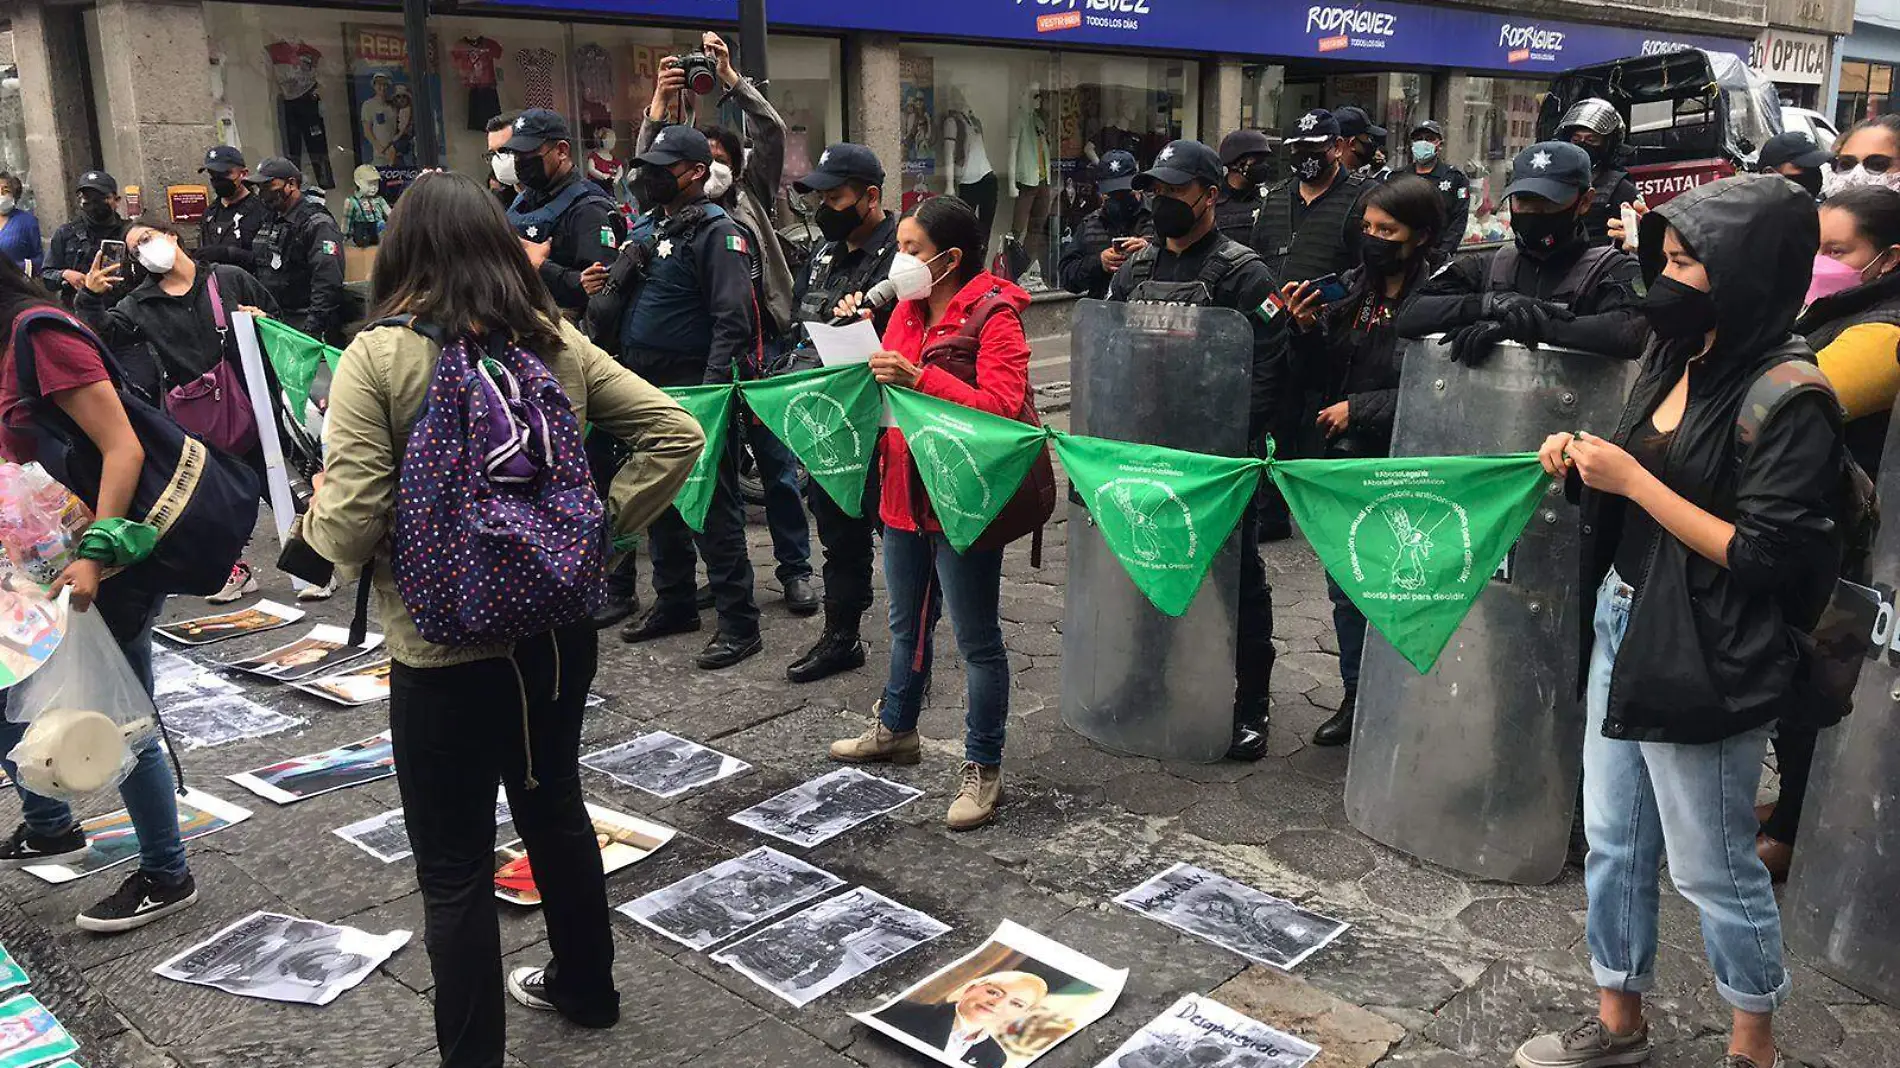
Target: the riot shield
(1134, 679)
(1839, 912)
(1475, 765)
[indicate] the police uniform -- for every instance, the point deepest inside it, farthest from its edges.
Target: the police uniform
(1609, 180)
(299, 258)
(694, 320)
(1453, 188)
(1218, 271)
(1236, 210)
(228, 231)
(1575, 295)
(582, 224)
(77, 242)
(1122, 214)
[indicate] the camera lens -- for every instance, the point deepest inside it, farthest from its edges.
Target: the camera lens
(702, 81)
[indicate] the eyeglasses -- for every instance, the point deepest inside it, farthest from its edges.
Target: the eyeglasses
(1874, 164)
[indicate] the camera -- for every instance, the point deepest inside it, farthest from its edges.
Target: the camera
(702, 74)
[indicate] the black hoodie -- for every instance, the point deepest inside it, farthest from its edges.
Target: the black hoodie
(1709, 651)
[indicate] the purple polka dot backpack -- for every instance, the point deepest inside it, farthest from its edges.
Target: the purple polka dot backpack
(499, 533)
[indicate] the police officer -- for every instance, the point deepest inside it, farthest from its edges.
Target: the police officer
(1192, 262)
(1594, 125)
(1107, 236)
(693, 319)
(75, 245)
(1428, 142)
(1248, 157)
(299, 252)
(564, 220)
(860, 242)
(236, 216)
(1551, 286)
(1361, 142)
(1794, 156)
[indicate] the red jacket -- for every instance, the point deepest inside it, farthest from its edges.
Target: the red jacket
(1002, 381)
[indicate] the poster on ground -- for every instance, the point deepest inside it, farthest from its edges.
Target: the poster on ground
(359, 685)
(284, 958)
(110, 839)
(623, 840)
(31, 626)
(385, 835)
(260, 617)
(203, 722)
(29, 1035)
(1233, 915)
(729, 897)
(1006, 1003)
(663, 764)
(175, 675)
(825, 807)
(300, 778)
(11, 974)
(806, 956)
(323, 650)
(1198, 1032)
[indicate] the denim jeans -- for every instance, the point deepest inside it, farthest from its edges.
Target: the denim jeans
(148, 791)
(1695, 802)
(971, 584)
(1349, 626)
(784, 507)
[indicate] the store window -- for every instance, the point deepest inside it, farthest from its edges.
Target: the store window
(1499, 121)
(1014, 131)
(1866, 91)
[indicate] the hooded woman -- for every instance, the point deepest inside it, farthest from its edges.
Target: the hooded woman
(1705, 554)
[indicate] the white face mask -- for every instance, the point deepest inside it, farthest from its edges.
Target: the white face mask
(504, 167)
(7, 204)
(912, 276)
(1832, 182)
(157, 255)
(718, 180)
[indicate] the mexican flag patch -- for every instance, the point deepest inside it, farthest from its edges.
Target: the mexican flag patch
(737, 243)
(329, 247)
(607, 237)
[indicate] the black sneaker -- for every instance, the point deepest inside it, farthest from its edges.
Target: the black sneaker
(25, 847)
(140, 900)
(529, 986)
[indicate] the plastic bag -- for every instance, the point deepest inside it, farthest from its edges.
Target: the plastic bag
(87, 715)
(40, 521)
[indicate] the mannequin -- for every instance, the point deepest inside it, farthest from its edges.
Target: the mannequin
(966, 165)
(602, 166)
(367, 213)
(1031, 165)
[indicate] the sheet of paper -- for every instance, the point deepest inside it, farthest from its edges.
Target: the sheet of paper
(841, 345)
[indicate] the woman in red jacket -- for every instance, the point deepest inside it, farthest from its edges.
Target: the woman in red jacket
(939, 269)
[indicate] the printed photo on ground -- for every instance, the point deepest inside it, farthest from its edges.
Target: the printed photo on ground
(203, 722)
(11, 974)
(359, 685)
(664, 765)
(808, 955)
(1198, 1032)
(263, 616)
(322, 650)
(1008, 1002)
(820, 810)
(385, 836)
(1232, 915)
(283, 958)
(179, 677)
(729, 897)
(305, 777)
(110, 839)
(29, 1035)
(623, 840)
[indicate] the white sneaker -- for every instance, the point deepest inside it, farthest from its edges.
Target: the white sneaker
(529, 986)
(318, 593)
(241, 582)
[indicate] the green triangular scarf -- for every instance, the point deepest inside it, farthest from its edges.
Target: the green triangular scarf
(712, 407)
(1413, 540)
(294, 355)
(970, 462)
(828, 417)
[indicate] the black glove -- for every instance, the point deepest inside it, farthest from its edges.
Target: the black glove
(1497, 303)
(1470, 345)
(1525, 322)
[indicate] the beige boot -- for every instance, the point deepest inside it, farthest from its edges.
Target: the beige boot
(976, 801)
(879, 745)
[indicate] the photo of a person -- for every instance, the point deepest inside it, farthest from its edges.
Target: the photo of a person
(265, 615)
(283, 958)
(969, 1028)
(359, 686)
(305, 777)
(323, 648)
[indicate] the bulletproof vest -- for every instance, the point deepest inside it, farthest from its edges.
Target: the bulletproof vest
(669, 313)
(283, 255)
(1596, 220)
(537, 224)
(826, 287)
(1228, 256)
(1319, 247)
(1578, 282)
(1234, 216)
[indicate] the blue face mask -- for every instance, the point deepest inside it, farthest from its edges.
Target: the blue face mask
(1424, 151)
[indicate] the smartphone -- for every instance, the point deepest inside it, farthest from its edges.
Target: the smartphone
(1331, 289)
(1630, 222)
(1122, 243)
(111, 252)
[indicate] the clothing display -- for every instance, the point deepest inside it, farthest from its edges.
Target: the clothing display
(797, 159)
(364, 218)
(537, 77)
(603, 167)
(1029, 145)
(1031, 222)
(475, 59)
(594, 70)
(300, 107)
(966, 160)
(981, 195)
(295, 65)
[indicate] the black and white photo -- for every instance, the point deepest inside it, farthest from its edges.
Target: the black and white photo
(732, 896)
(1232, 915)
(1198, 1032)
(284, 958)
(220, 719)
(385, 835)
(808, 955)
(177, 677)
(664, 765)
(820, 810)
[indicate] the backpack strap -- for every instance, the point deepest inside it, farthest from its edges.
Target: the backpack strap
(1595, 263)
(432, 331)
(1769, 393)
(1141, 267)
(27, 370)
(1227, 257)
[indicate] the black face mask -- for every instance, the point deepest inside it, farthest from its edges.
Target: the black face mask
(1382, 255)
(838, 223)
(1676, 311)
(1311, 166)
(1540, 235)
(1174, 218)
(1809, 180)
(656, 186)
(226, 188)
(1597, 153)
(532, 169)
(97, 212)
(275, 199)
(1120, 209)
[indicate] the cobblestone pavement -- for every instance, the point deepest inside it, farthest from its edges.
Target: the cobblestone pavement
(1437, 971)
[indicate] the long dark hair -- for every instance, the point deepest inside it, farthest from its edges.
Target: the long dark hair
(1415, 202)
(952, 223)
(1876, 212)
(449, 257)
(18, 292)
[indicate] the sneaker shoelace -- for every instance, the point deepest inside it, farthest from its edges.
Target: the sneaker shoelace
(1586, 1035)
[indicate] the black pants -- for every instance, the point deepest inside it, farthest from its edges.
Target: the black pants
(457, 732)
(303, 128)
(981, 195)
(605, 455)
(1794, 756)
(1253, 640)
(675, 564)
(849, 553)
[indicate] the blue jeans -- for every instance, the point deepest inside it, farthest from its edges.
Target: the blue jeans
(784, 507)
(1695, 802)
(1349, 626)
(971, 584)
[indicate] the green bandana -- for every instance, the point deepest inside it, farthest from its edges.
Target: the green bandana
(1413, 540)
(295, 356)
(712, 407)
(828, 417)
(1164, 513)
(118, 542)
(970, 462)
